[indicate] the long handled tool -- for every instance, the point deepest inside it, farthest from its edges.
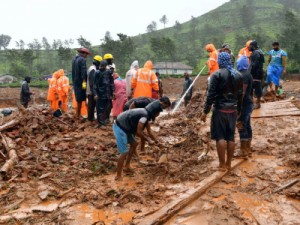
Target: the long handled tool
(183, 96)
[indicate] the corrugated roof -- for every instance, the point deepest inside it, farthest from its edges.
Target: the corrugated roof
(172, 65)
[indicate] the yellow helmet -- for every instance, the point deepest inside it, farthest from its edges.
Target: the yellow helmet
(98, 58)
(108, 56)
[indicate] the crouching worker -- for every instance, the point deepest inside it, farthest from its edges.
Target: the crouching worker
(131, 123)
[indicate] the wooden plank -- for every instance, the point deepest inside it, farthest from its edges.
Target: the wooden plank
(168, 211)
(274, 109)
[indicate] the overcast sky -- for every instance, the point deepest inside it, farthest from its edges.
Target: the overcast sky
(65, 19)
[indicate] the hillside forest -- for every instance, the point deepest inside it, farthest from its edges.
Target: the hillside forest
(234, 23)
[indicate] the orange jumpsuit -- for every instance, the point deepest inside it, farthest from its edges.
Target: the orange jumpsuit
(144, 81)
(245, 51)
(52, 92)
(63, 87)
(212, 62)
(83, 111)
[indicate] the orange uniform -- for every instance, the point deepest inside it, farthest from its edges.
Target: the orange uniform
(52, 91)
(144, 80)
(245, 51)
(63, 88)
(83, 111)
(212, 62)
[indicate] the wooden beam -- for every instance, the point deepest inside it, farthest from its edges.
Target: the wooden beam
(169, 210)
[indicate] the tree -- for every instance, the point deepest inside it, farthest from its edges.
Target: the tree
(107, 36)
(35, 45)
(247, 14)
(152, 27)
(4, 41)
(177, 25)
(289, 37)
(164, 48)
(122, 50)
(193, 35)
(46, 44)
(164, 20)
(65, 55)
(83, 42)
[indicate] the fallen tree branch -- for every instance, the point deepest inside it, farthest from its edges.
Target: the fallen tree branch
(12, 158)
(8, 125)
(64, 122)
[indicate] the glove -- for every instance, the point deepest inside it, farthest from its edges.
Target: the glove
(84, 85)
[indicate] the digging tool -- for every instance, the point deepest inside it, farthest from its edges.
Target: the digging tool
(183, 96)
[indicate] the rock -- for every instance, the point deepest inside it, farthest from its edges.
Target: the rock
(43, 195)
(73, 162)
(163, 159)
(54, 159)
(39, 167)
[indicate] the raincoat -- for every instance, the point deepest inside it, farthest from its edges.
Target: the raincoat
(129, 76)
(120, 97)
(144, 80)
(52, 91)
(63, 88)
(83, 111)
(245, 51)
(212, 62)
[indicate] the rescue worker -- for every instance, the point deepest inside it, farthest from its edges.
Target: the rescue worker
(25, 92)
(129, 75)
(245, 51)
(104, 93)
(63, 88)
(144, 81)
(109, 59)
(187, 83)
(225, 95)
(131, 123)
(53, 92)
(90, 85)
(276, 66)
(244, 121)
(257, 61)
(212, 62)
(79, 77)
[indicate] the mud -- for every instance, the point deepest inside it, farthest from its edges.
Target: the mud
(66, 171)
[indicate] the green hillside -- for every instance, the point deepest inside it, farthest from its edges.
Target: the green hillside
(234, 23)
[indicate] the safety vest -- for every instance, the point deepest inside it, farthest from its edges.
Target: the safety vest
(143, 83)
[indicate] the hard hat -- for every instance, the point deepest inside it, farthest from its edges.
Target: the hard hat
(83, 50)
(108, 56)
(98, 58)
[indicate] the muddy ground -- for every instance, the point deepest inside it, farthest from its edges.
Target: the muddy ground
(65, 173)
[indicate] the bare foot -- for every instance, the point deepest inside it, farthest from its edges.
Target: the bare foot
(118, 178)
(228, 167)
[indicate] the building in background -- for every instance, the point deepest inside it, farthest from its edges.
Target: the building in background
(172, 68)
